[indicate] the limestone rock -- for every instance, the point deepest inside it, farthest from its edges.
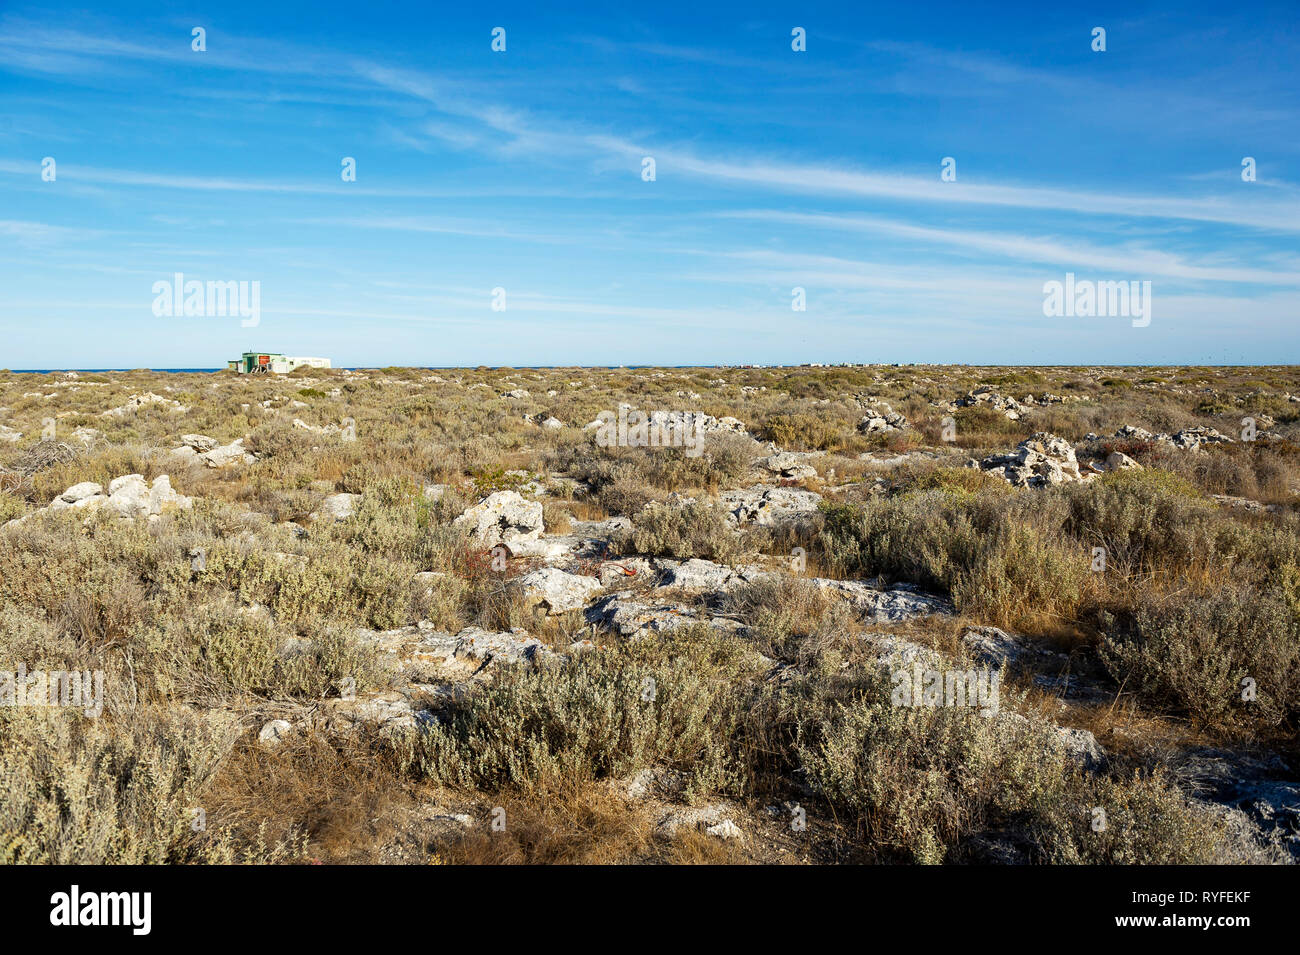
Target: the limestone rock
(635, 617)
(514, 646)
(770, 506)
(1082, 747)
(315, 428)
(879, 418)
(1191, 439)
(199, 442)
(503, 517)
(227, 455)
(128, 497)
(1039, 461)
(901, 602)
(617, 572)
(271, 732)
(788, 464)
(78, 492)
(704, 575)
(726, 830)
(336, 507)
(987, 396)
(557, 590)
(136, 402)
(678, 821)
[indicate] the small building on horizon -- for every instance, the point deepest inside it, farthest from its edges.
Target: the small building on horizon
(253, 362)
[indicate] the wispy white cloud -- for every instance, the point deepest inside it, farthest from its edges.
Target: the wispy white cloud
(42, 233)
(826, 180)
(1127, 259)
(71, 174)
(434, 225)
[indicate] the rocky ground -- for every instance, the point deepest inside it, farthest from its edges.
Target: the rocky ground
(411, 615)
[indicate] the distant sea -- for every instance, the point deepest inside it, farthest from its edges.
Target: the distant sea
(181, 371)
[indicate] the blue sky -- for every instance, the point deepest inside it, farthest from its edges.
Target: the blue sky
(774, 169)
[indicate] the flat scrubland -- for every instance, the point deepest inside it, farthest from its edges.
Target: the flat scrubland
(640, 654)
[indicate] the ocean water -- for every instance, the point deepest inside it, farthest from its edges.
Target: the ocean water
(91, 371)
(184, 371)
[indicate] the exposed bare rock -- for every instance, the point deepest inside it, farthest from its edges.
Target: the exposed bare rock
(136, 402)
(624, 571)
(1082, 747)
(558, 591)
(990, 645)
(770, 506)
(315, 428)
(76, 494)
(503, 517)
(1259, 794)
(1054, 672)
(987, 396)
(634, 616)
(901, 602)
(199, 442)
(419, 647)
(128, 497)
(1245, 504)
(727, 830)
(336, 507)
(880, 418)
(516, 646)
(271, 732)
(894, 653)
(388, 711)
(227, 455)
(1038, 461)
(651, 783)
(705, 575)
(1189, 439)
(682, 422)
(792, 465)
(199, 448)
(714, 819)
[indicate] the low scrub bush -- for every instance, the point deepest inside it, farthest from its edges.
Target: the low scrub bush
(697, 529)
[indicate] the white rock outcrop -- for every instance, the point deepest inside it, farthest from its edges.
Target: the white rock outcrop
(558, 591)
(128, 497)
(792, 465)
(136, 402)
(770, 506)
(199, 448)
(336, 507)
(987, 396)
(503, 517)
(1038, 461)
